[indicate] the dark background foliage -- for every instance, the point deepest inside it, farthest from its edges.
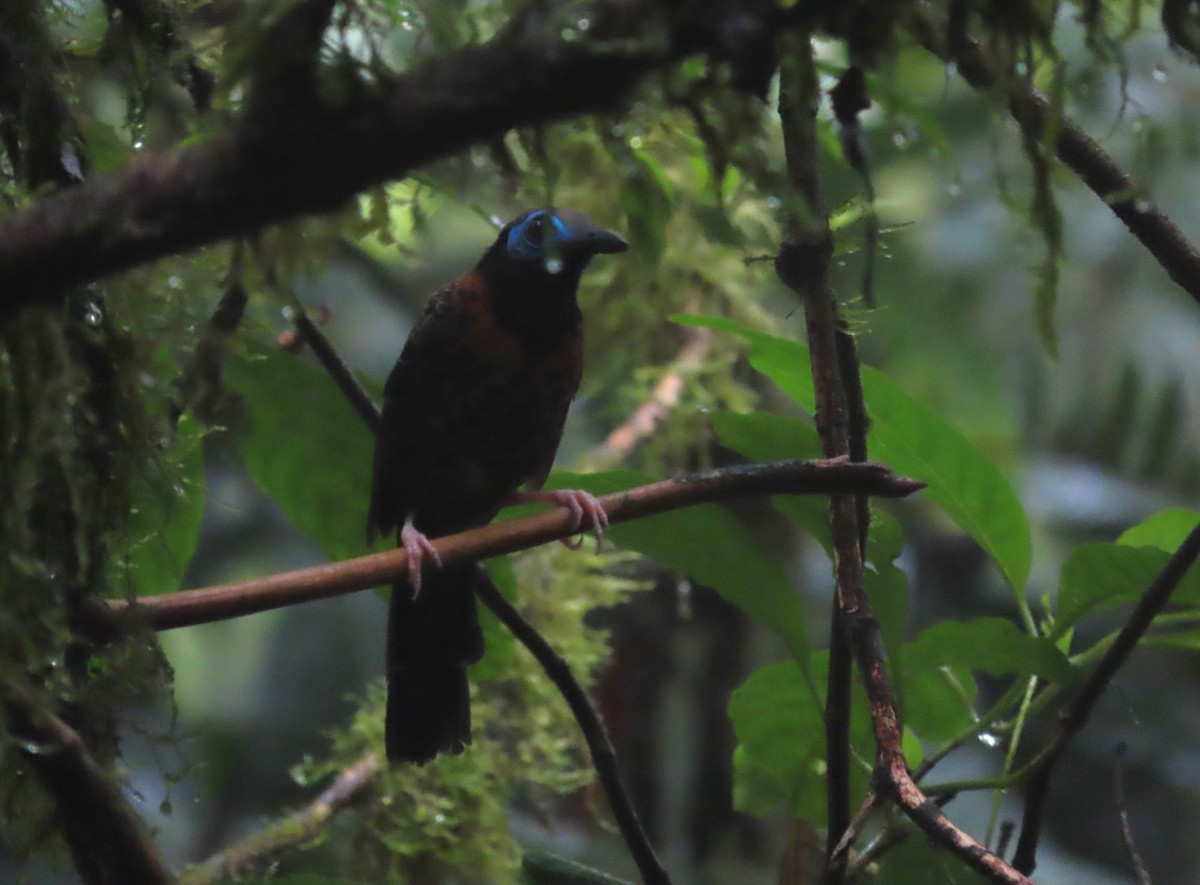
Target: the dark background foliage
(1034, 368)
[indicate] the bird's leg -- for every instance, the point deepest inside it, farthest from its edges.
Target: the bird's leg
(417, 546)
(580, 503)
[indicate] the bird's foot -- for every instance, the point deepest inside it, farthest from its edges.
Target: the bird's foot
(586, 511)
(417, 546)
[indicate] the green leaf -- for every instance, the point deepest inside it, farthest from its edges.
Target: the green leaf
(915, 441)
(712, 547)
(105, 148)
(306, 448)
(1098, 576)
(764, 437)
(781, 738)
(165, 519)
(917, 861)
(780, 727)
(1188, 640)
(1165, 530)
(993, 645)
(938, 702)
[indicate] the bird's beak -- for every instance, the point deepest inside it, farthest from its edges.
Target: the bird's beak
(597, 242)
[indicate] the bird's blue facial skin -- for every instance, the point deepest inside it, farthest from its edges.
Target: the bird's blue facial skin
(540, 235)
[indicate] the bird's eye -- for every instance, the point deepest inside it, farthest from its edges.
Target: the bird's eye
(535, 230)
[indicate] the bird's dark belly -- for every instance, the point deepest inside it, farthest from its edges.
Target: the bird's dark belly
(488, 438)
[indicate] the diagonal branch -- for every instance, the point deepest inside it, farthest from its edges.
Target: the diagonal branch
(1076, 713)
(104, 836)
(1036, 116)
(604, 757)
(258, 850)
(189, 607)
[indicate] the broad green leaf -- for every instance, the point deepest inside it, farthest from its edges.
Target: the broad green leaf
(1098, 576)
(938, 702)
(761, 436)
(917, 861)
(915, 441)
(994, 645)
(165, 519)
(708, 544)
(780, 727)
(306, 448)
(1189, 640)
(780, 732)
(1165, 530)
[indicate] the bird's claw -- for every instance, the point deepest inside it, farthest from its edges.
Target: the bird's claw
(417, 546)
(587, 513)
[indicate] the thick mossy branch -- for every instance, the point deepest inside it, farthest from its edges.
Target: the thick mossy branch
(308, 156)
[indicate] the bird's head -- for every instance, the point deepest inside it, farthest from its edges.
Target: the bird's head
(533, 268)
(556, 241)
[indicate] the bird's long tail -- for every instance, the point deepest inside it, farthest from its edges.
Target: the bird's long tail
(431, 641)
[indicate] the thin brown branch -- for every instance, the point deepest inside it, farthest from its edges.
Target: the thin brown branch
(104, 835)
(803, 264)
(1135, 857)
(284, 161)
(1035, 113)
(1074, 716)
(345, 379)
(189, 607)
(604, 757)
(255, 852)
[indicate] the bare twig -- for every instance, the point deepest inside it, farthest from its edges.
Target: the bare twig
(105, 838)
(189, 607)
(260, 849)
(1076, 713)
(1139, 866)
(604, 757)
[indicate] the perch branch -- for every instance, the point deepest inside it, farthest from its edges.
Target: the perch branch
(189, 607)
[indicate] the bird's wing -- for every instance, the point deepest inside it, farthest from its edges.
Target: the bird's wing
(411, 404)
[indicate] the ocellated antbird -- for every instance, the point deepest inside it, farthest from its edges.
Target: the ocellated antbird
(472, 412)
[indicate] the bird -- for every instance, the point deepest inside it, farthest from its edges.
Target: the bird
(472, 416)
